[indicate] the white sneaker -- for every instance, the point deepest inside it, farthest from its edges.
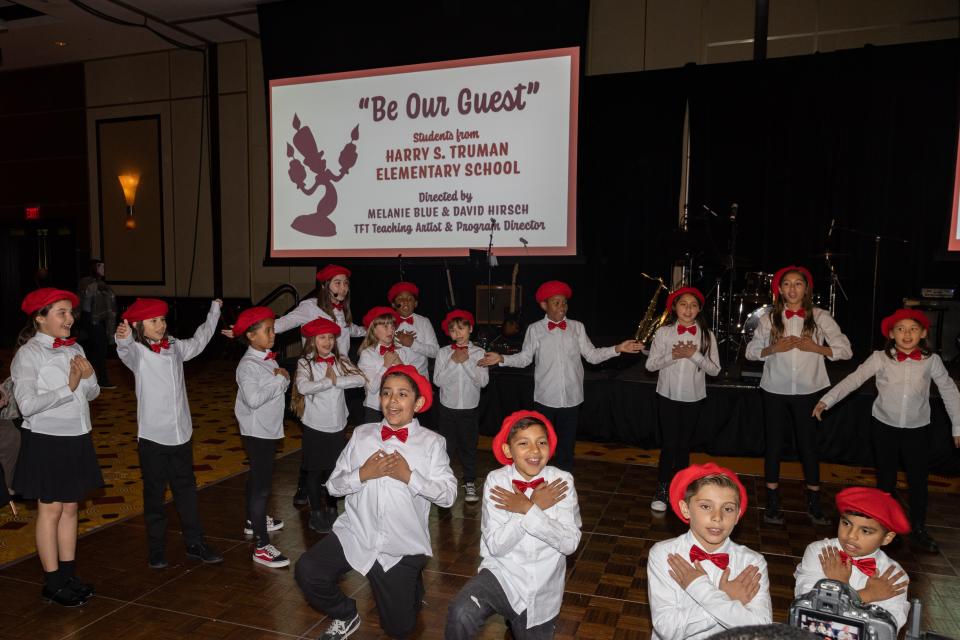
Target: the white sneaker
(270, 556)
(470, 492)
(341, 628)
(272, 525)
(660, 498)
(658, 505)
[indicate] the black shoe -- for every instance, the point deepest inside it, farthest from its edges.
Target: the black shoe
(300, 498)
(340, 629)
(320, 521)
(83, 589)
(65, 596)
(107, 385)
(158, 560)
(921, 539)
(204, 552)
(661, 498)
(815, 510)
(772, 513)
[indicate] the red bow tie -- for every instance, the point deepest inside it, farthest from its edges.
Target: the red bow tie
(562, 325)
(457, 347)
(523, 486)
(408, 320)
(913, 355)
(329, 359)
(271, 355)
(867, 566)
(400, 434)
(389, 349)
(338, 306)
(720, 559)
(692, 330)
(63, 342)
(800, 313)
(157, 346)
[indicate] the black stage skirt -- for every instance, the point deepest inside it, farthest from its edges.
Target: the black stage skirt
(56, 468)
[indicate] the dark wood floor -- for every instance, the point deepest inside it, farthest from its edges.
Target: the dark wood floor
(605, 590)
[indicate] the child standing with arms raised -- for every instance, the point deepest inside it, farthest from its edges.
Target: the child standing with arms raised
(53, 384)
(684, 351)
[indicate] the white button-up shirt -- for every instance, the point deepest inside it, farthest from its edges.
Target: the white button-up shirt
(309, 310)
(260, 396)
(527, 552)
(424, 346)
(371, 363)
(702, 609)
(460, 382)
(324, 407)
(41, 376)
(385, 519)
(683, 379)
(903, 398)
(163, 410)
(558, 374)
(810, 571)
(797, 372)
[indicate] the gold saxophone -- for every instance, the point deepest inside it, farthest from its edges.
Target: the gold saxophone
(651, 322)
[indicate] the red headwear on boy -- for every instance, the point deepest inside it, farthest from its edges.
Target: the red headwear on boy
(36, 300)
(331, 271)
(403, 287)
(778, 276)
(553, 288)
(319, 326)
(423, 385)
(376, 312)
(886, 325)
(250, 317)
(456, 314)
(678, 487)
(501, 438)
(144, 309)
(876, 504)
(682, 290)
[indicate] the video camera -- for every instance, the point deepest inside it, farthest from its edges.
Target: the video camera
(834, 611)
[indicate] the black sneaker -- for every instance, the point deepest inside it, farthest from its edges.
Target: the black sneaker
(204, 552)
(65, 596)
(922, 539)
(83, 589)
(300, 498)
(158, 560)
(320, 521)
(815, 510)
(340, 629)
(772, 513)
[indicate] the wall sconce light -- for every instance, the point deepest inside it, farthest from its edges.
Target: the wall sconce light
(129, 182)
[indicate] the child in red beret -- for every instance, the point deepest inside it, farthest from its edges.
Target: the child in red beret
(414, 331)
(261, 395)
(530, 524)
(557, 344)
(378, 352)
(702, 582)
(903, 369)
(53, 384)
(869, 519)
(164, 425)
(390, 473)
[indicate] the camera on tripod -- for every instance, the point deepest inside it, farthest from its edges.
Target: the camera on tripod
(834, 611)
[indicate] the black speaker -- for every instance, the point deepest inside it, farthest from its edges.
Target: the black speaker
(493, 302)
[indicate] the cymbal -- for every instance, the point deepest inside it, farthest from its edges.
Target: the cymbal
(831, 254)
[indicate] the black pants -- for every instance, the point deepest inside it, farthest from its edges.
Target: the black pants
(565, 424)
(461, 429)
(260, 452)
(678, 423)
(398, 592)
(479, 599)
(891, 445)
(371, 415)
(161, 465)
(95, 347)
(784, 414)
(320, 453)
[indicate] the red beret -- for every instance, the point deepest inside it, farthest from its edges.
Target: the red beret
(456, 314)
(36, 300)
(876, 504)
(423, 385)
(553, 288)
(678, 487)
(682, 290)
(331, 271)
(402, 287)
(501, 438)
(376, 312)
(778, 276)
(318, 327)
(250, 317)
(144, 309)
(886, 325)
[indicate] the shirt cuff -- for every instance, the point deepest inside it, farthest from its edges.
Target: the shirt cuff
(532, 519)
(64, 393)
(697, 358)
(416, 483)
(700, 588)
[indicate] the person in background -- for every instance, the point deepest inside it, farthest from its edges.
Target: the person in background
(98, 319)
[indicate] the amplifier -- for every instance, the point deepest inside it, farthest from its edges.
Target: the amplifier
(942, 293)
(499, 296)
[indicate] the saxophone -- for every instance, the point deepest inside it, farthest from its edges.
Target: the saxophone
(651, 322)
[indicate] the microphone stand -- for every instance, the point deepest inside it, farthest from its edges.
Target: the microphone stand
(490, 296)
(733, 346)
(400, 259)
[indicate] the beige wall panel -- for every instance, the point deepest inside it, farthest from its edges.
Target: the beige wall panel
(616, 36)
(857, 39)
(785, 47)
(726, 20)
(139, 78)
(792, 16)
(674, 35)
(930, 10)
(848, 14)
(925, 31)
(728, 53)
(186, 74)
(234, 196)
(232, 60)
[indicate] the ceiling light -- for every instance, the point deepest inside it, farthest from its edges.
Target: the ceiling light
(60, 43)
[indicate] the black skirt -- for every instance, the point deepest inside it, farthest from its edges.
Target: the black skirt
(321, 449)
(57, 468)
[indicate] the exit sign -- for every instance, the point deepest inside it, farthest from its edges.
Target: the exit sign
(31, 213)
